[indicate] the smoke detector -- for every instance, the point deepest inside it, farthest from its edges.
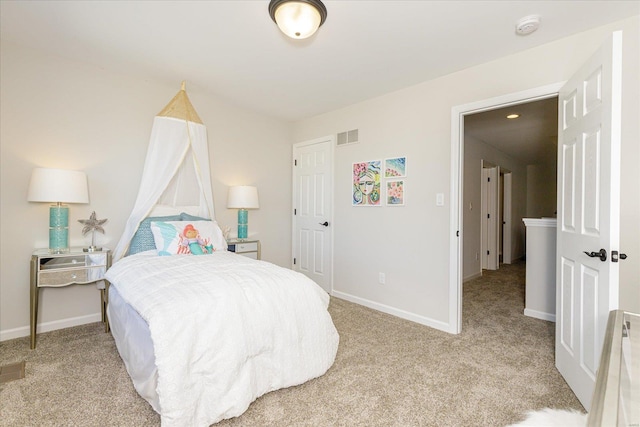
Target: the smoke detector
(527, 25)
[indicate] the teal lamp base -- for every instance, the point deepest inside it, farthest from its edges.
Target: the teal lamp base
(243, 224)
(58, 229)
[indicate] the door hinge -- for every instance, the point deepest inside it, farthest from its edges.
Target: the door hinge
(294, 261)
(458, 233)
(487, 252)
(488, 179)
(295, 211)
(295, 162)
(488, 215)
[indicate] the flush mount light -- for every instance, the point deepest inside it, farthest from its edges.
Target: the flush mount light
(513, 116)
(298, 19)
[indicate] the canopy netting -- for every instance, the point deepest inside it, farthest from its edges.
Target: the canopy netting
(176, 170)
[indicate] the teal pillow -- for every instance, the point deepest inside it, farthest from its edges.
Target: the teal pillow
(188, 217)
(143, 239)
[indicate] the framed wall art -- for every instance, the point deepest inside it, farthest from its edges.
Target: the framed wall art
(395, 167)
(395, 192)
(366, 183)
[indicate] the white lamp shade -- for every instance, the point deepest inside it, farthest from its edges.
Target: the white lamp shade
(297, 19)
(243, 197)
(58, 185)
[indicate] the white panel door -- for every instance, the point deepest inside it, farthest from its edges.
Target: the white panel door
(312, 203)
(588, 214)
(490, 209)
(506, 220)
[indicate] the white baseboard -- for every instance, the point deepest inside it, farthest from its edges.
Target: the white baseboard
(436, 324)
(540, 315)
(472, 276)
(25, 331)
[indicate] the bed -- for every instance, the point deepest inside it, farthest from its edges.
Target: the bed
(204, 336)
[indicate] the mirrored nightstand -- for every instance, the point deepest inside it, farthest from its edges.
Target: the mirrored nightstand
(248, 248)
(71, 268)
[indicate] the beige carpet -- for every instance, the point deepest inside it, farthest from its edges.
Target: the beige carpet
(388, 372)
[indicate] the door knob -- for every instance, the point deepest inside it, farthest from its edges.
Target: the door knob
(602, 254)
(326, 223)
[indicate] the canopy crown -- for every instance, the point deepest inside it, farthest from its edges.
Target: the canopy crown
(181, 108)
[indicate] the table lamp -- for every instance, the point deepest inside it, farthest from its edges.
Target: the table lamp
(58, 186)
(243, 197)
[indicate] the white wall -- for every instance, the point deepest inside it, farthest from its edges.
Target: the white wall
(411, 244)
(474, 152)
(59, 113)
(64, 114)
(541, 190)
(630, 170)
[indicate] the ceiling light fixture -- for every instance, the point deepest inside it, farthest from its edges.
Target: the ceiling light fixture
(513, 116)
(298, 19)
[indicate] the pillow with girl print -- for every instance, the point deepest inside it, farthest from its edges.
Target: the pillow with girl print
(187, 237)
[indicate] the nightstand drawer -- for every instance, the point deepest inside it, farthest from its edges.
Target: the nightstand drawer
(246, 247)
(64, 277)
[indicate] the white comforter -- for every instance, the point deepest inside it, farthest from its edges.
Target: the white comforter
(226, 329)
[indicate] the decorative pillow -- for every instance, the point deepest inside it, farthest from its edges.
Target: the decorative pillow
(188, 217)
(143, 239)
(187, 237)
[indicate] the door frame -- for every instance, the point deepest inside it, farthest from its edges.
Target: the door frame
(456, 192)
(331, 139)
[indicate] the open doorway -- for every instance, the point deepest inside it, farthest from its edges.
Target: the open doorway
(487, 138)
(521, 151)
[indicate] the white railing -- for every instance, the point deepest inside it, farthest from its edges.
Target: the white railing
(616, 398)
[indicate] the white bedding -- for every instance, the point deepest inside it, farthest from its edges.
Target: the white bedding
(226, 329)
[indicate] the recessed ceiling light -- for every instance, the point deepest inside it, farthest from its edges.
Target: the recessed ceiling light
(513, 116)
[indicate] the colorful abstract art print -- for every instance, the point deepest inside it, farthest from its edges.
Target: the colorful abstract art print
(366, 183)
(395, 167)
(395, 192)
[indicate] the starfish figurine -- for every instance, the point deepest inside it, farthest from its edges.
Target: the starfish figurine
(92, 224)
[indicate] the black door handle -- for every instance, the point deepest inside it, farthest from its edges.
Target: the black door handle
(326, 223)
(602, 254)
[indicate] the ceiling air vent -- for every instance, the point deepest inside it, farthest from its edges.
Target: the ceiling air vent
(348, 137)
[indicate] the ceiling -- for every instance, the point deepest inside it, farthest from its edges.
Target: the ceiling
(232, 49)
(532, 138)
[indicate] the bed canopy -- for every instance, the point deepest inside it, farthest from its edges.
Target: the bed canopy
(176, 174)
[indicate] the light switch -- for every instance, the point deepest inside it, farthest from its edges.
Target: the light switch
(440, 199)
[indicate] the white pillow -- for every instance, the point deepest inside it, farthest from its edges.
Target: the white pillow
(187, 237)
(167, 210)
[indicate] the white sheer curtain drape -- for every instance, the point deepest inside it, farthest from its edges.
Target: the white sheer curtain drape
(176, 173)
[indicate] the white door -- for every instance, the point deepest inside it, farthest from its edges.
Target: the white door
(506, 220)
(588, 214)
(312, 206)
(490, 209)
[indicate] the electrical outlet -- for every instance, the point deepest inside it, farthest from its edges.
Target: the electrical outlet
(381, 278)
